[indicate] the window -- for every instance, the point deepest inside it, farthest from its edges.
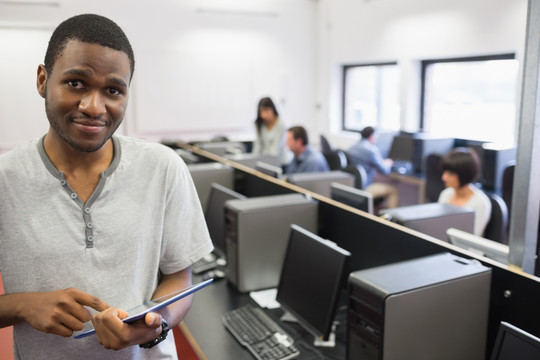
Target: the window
(371, 97)
(470, 98)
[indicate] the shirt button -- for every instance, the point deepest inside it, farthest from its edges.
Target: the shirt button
(90, 238)
(73, 196)
(89, 225)
(63, 182)
(87, 210)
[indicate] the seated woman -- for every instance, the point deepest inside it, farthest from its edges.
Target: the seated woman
(460, 169)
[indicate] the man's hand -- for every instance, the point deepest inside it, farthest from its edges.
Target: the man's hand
(58, 312)
(113, 333)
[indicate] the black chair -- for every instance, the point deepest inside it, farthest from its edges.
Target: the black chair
(496, 228)
(434, 183)
(359, 173)
(507, 185)
(336, 159)
(325, 144)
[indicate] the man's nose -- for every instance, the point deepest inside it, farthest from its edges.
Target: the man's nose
(92, 104)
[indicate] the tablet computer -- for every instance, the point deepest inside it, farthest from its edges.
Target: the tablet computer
(140, 311)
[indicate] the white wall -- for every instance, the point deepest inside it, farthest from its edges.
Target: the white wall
(371, 31)
(202, 65)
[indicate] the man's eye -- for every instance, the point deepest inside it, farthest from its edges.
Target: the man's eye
(75, 84)
(114, 91)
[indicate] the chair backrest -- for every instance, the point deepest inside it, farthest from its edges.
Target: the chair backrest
(336, 159)
(507, 184)
(325, 144)
(496, 228)
(434, 183)
(360, 175)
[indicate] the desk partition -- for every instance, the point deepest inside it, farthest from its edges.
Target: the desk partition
(514, 297)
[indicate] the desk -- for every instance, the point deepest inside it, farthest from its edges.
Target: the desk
(411, 188)
(204, 324)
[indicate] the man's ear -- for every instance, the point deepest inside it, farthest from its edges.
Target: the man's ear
(41, 81)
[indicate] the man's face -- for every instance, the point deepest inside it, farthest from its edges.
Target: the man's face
(292, 143)
(86, 94)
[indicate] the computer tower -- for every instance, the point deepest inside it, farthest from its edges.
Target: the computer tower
(204, 174)
(494, 160)
(257, 232)
(432, 219)
(321, 182)
(424, 146)
(435, 307)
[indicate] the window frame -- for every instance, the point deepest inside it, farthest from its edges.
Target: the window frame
(426, 63)
(346, 67)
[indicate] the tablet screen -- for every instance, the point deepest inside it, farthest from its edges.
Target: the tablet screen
(140, 311)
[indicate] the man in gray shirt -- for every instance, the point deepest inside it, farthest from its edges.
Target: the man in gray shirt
(368, 155)
(91, 223)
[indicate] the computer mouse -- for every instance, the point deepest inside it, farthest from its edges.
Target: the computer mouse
(213, 274)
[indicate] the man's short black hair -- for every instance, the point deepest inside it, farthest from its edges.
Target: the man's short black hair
(367, 132)
(91, 29)
(299, 132)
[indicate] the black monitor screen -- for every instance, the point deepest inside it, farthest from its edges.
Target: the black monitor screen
(359, 199)
(311, 279)
(513, 343)
(268, 169)
(215, 213)
(402, 148)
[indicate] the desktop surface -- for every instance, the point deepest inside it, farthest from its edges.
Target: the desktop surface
(205, 325)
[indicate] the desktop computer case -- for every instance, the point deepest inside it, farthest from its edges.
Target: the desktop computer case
(257, 232)
(434, 307)
(433, 219)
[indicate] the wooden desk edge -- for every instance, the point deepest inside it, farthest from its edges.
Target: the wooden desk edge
(191, 340)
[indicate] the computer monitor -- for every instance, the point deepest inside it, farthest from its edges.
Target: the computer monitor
(204, 174)
(215, 214)
(311, 280)
(403, 148)
(478, 245)
(514, 343)
(383, 140)
(359, 199)
(269, 169)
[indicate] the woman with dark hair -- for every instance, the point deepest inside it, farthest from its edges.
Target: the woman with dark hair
(461, 167)
(270, 139)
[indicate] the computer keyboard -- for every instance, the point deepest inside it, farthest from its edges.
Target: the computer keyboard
(259, 333)
(402, 167)
(207, 262)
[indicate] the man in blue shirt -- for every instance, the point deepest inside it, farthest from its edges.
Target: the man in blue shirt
(367, 154)
(306, 159)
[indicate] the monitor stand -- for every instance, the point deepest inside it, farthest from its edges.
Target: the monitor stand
(317, 341)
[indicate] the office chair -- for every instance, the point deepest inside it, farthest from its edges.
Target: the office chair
(507, 185)
(359, 173)
(336, 159)
(434, 183)
(325, 144)
(496, 228)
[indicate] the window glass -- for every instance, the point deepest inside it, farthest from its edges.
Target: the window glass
(472, 99)
(371, 97)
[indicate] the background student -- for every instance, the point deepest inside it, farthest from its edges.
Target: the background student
(368, 155)
(306, 158)
(270, 131)
(461, 167)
